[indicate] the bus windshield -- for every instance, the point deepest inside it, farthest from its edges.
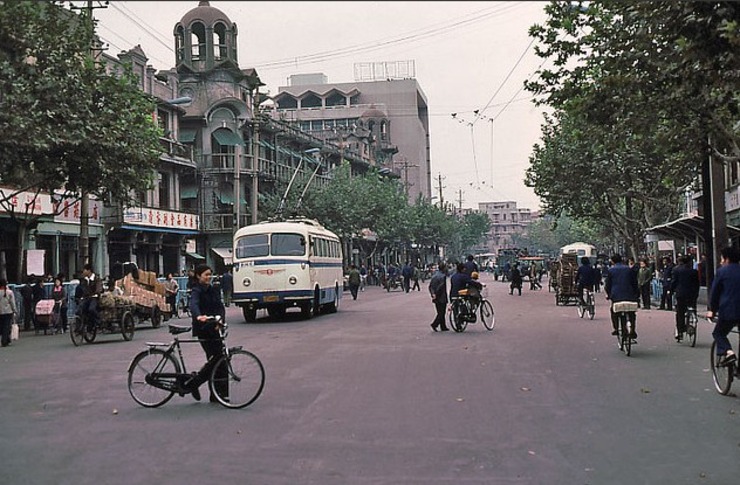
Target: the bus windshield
(277, 244)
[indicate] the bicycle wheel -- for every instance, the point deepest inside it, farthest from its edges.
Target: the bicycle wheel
(127, 326)
(75, 331)
(722, 375)
(581, 310)
(139, 377)
(458, 313)
(691, 327)
(237, 380)
(486, 314)
(591, 308)
(626, 340)
(89, 332)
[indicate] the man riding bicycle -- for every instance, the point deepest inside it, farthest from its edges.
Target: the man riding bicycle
(463, 281)
(91, 286)
(621, 286)
(685, 285)
(724, 302)
(585, 278)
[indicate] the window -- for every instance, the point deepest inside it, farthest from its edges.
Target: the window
(179, 44)
(198, 42)
(252, 246)
(219, 46)
(311, 101)
(164, 190)
(288, 245)
(163, 120)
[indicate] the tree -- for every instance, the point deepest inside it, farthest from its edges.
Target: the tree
(69, 127)
(635, 87)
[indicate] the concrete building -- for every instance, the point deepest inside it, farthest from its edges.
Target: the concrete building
(386, 121)
(507, 220)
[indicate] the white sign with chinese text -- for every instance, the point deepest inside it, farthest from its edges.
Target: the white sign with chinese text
(164, 219)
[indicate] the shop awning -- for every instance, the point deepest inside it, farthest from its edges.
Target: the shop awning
(223, 253)
(187, 136)
(227, 138)
(689, 227)
(228, 198)
(189, 192)
(194, 256)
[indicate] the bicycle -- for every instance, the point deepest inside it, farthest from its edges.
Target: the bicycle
(587, 305)
(183, 303)
(624, 327)
(463, 311)
(690, 325)
(723, 373)
(155, 375)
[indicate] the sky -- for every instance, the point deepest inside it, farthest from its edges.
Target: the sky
(468, 56)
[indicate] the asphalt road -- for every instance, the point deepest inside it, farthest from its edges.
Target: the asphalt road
(370, 395)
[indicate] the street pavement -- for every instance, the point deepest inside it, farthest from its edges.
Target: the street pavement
(370, 395)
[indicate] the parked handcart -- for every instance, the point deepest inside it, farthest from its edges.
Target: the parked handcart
(566, 291)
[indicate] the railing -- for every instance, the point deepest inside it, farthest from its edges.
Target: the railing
(176, 150)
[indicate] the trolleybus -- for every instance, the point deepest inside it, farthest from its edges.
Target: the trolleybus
(279, 265)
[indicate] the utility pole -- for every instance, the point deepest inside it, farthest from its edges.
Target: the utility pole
(439, 188)
(406, 165)
(254, 205)
(83, 256)
(460, 199)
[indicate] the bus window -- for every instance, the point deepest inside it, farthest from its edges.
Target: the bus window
(252, 246)
(288, 245)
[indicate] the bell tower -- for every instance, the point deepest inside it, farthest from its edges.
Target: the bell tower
(205, 38)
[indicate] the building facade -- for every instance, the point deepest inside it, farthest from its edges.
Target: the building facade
(507, 220)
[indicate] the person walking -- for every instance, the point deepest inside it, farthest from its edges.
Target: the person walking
(27, 300)
(666, 299)
(354, 280)
(407, 272)
(534, 282)
(7, 312)
(415, 278)
(438, 292)
(516, 280)
(685, 285)
(205, 301)
(170, 289)
(59, 295)
(227, 286)
(644, 279)
(724, 302)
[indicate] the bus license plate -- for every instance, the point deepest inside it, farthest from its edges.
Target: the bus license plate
(270, 298)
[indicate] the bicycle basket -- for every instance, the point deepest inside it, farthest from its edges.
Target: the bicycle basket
(624, 306)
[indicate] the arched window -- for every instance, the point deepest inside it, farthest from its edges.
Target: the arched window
(198, 42)
(384, 130)
(220, 50)
(336, 99)
(180, 44)
(287, 102)
(311, 101)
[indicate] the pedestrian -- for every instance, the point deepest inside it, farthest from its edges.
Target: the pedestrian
(227, 286)
(27, 299)
(171, 287)
(438, 292)
(470, 265)
(407, 272)
(206, 301)
(59, 295)
(534, 283)
(644, 280)
(666, 298)
(415, 278)
(7, 312)
(685, 285)
(363, 277)
(38, 293)
(724, 302)
(354, 280)
(516, 280)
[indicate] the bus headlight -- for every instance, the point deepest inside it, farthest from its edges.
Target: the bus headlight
(246, 281)
(303, 266)
(292, 280)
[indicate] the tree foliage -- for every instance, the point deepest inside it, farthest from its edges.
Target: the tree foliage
(69, 125)
(636, 87)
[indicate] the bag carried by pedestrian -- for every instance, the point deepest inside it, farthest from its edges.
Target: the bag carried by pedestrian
(15, 331)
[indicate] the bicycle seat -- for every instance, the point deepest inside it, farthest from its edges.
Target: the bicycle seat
(177, 329)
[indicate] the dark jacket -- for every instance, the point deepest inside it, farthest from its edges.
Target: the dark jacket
(460, 281)
(685, 283)
(724, 298)
(205, 300)
(438, 287)
(586, 275)
(621, 284)
(516, 277)
(666, 275)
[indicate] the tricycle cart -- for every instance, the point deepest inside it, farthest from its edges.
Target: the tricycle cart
(566, 291)
(116, 314)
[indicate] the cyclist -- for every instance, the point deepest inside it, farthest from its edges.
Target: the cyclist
(585, 278)
(205, 300)
(462, 281)
(91, 286)
(685, 285)
(724, 302)
(621, 285)
(470, 264)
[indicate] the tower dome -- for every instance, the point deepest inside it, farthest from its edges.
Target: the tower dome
(206, 14)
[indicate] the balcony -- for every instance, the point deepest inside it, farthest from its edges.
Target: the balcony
(176, 152)
(221, 222)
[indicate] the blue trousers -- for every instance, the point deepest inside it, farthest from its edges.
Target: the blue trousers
(721, 330)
